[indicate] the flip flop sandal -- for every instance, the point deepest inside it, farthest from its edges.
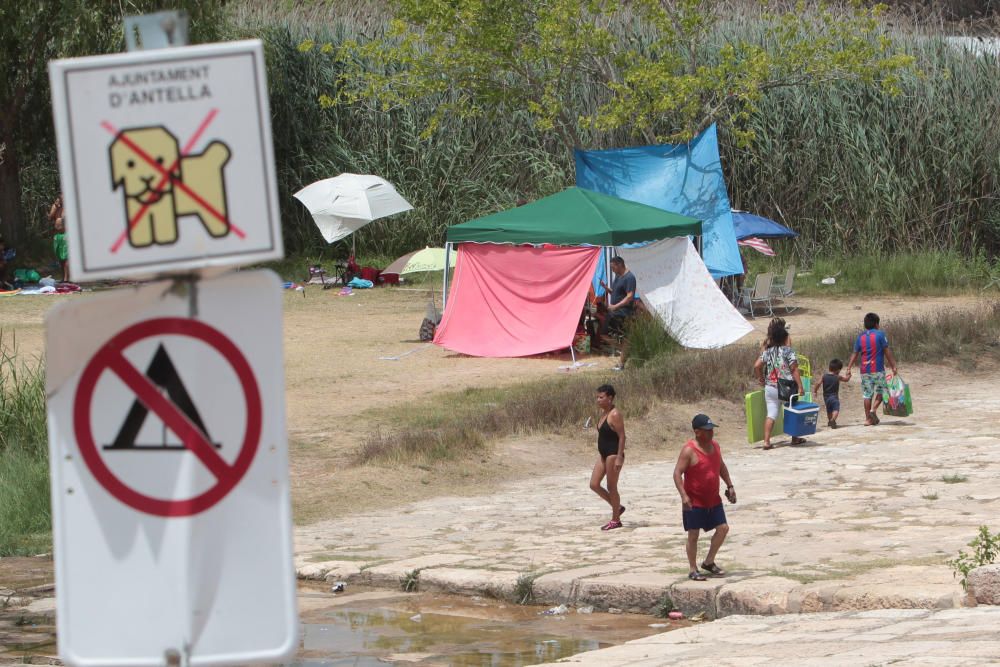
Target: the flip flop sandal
(611, 525)
(713, 568)
(697, 576)
(621, 510)
(875, 419)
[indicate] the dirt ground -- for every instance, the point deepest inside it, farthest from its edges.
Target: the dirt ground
(348, 360)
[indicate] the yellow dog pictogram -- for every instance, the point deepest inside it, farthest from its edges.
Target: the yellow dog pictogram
(161, 185)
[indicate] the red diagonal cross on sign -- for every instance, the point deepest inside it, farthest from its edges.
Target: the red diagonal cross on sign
(110, 358)
(167, 174)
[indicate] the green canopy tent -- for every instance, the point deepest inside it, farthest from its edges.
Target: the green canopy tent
(576, 217)
(573, 217)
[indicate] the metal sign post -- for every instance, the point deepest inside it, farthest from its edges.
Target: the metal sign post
(167, 439)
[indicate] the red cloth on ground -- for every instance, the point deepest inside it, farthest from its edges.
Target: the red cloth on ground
(515, 301)
(701, 481)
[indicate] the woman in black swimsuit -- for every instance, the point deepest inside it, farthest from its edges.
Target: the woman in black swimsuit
(611, 448)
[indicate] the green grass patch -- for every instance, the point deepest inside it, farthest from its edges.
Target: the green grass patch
(664, 605)
(25, 515)
(410, 581)
(460, 424)
(918, 274)
(954, 479)
(647, 340)
(524, 588)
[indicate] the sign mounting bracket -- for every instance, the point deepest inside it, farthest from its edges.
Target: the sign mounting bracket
(156, 31)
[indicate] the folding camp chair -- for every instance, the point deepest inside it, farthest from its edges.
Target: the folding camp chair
(782, 292)
(760, 293)
(318, 271)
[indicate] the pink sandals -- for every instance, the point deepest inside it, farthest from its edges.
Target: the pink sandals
(611, 525)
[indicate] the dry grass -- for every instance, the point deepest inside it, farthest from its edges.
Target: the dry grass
(459, 424)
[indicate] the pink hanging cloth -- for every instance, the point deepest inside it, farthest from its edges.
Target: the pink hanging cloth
(515, 301)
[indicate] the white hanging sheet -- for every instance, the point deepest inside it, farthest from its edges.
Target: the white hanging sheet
(674, 282)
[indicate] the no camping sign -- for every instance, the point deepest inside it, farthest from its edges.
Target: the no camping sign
(170, 482)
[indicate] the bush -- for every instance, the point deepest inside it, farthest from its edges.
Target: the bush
(647, 340)
(985, 551)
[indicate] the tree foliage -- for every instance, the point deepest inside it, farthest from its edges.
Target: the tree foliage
(662, 69)
(31, 34)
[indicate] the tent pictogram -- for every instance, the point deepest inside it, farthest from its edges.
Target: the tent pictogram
(147, 389)
(163, 374)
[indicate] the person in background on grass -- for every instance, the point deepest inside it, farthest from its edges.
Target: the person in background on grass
(60, 248)
(611, 454)
(778, 360)
(56, 210)
(830, 382)
(696, 477)
(3, 266)
(872, 347)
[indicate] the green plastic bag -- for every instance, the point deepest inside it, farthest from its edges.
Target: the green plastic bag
(898, 403)
(27, 275)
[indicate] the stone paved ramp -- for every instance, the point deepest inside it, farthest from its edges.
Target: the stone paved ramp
(859, 518)
(903, 637)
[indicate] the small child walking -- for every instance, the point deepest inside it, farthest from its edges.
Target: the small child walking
(60, 248)
(830, 384)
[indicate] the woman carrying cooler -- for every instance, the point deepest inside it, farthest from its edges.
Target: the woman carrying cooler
(777, 365)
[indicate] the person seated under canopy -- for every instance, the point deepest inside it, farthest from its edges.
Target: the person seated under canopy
(621, 298)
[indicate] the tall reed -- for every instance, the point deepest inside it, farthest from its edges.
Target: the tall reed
(25, 516)
(850, 167)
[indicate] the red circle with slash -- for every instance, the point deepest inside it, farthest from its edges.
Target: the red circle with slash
(110, 358)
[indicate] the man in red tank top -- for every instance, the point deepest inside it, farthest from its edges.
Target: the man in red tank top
(696, 477)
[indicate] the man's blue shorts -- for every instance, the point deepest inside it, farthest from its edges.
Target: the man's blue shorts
(832, 404)
(704, 518)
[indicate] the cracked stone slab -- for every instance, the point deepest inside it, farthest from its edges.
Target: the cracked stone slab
(497, 584)
(830, 639)
(390, 574)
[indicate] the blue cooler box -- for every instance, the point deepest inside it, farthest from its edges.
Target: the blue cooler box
(800, 419)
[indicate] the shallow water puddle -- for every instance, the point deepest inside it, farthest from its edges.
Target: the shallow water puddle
(427, 629)
(375, 627)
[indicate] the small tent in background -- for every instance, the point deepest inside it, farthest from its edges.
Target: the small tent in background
(684, 178)
(747, 225)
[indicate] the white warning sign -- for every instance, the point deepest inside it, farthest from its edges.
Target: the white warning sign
(166, 160)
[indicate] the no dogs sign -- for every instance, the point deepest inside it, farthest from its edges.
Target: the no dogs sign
(166, 160)
(170, 489)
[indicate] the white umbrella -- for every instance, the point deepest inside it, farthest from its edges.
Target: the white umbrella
(346, 203)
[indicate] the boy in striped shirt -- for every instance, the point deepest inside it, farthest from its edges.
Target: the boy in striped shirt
(872, 347)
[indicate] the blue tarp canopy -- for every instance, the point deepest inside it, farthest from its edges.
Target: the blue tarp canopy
(748, 224)
(685, 179)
